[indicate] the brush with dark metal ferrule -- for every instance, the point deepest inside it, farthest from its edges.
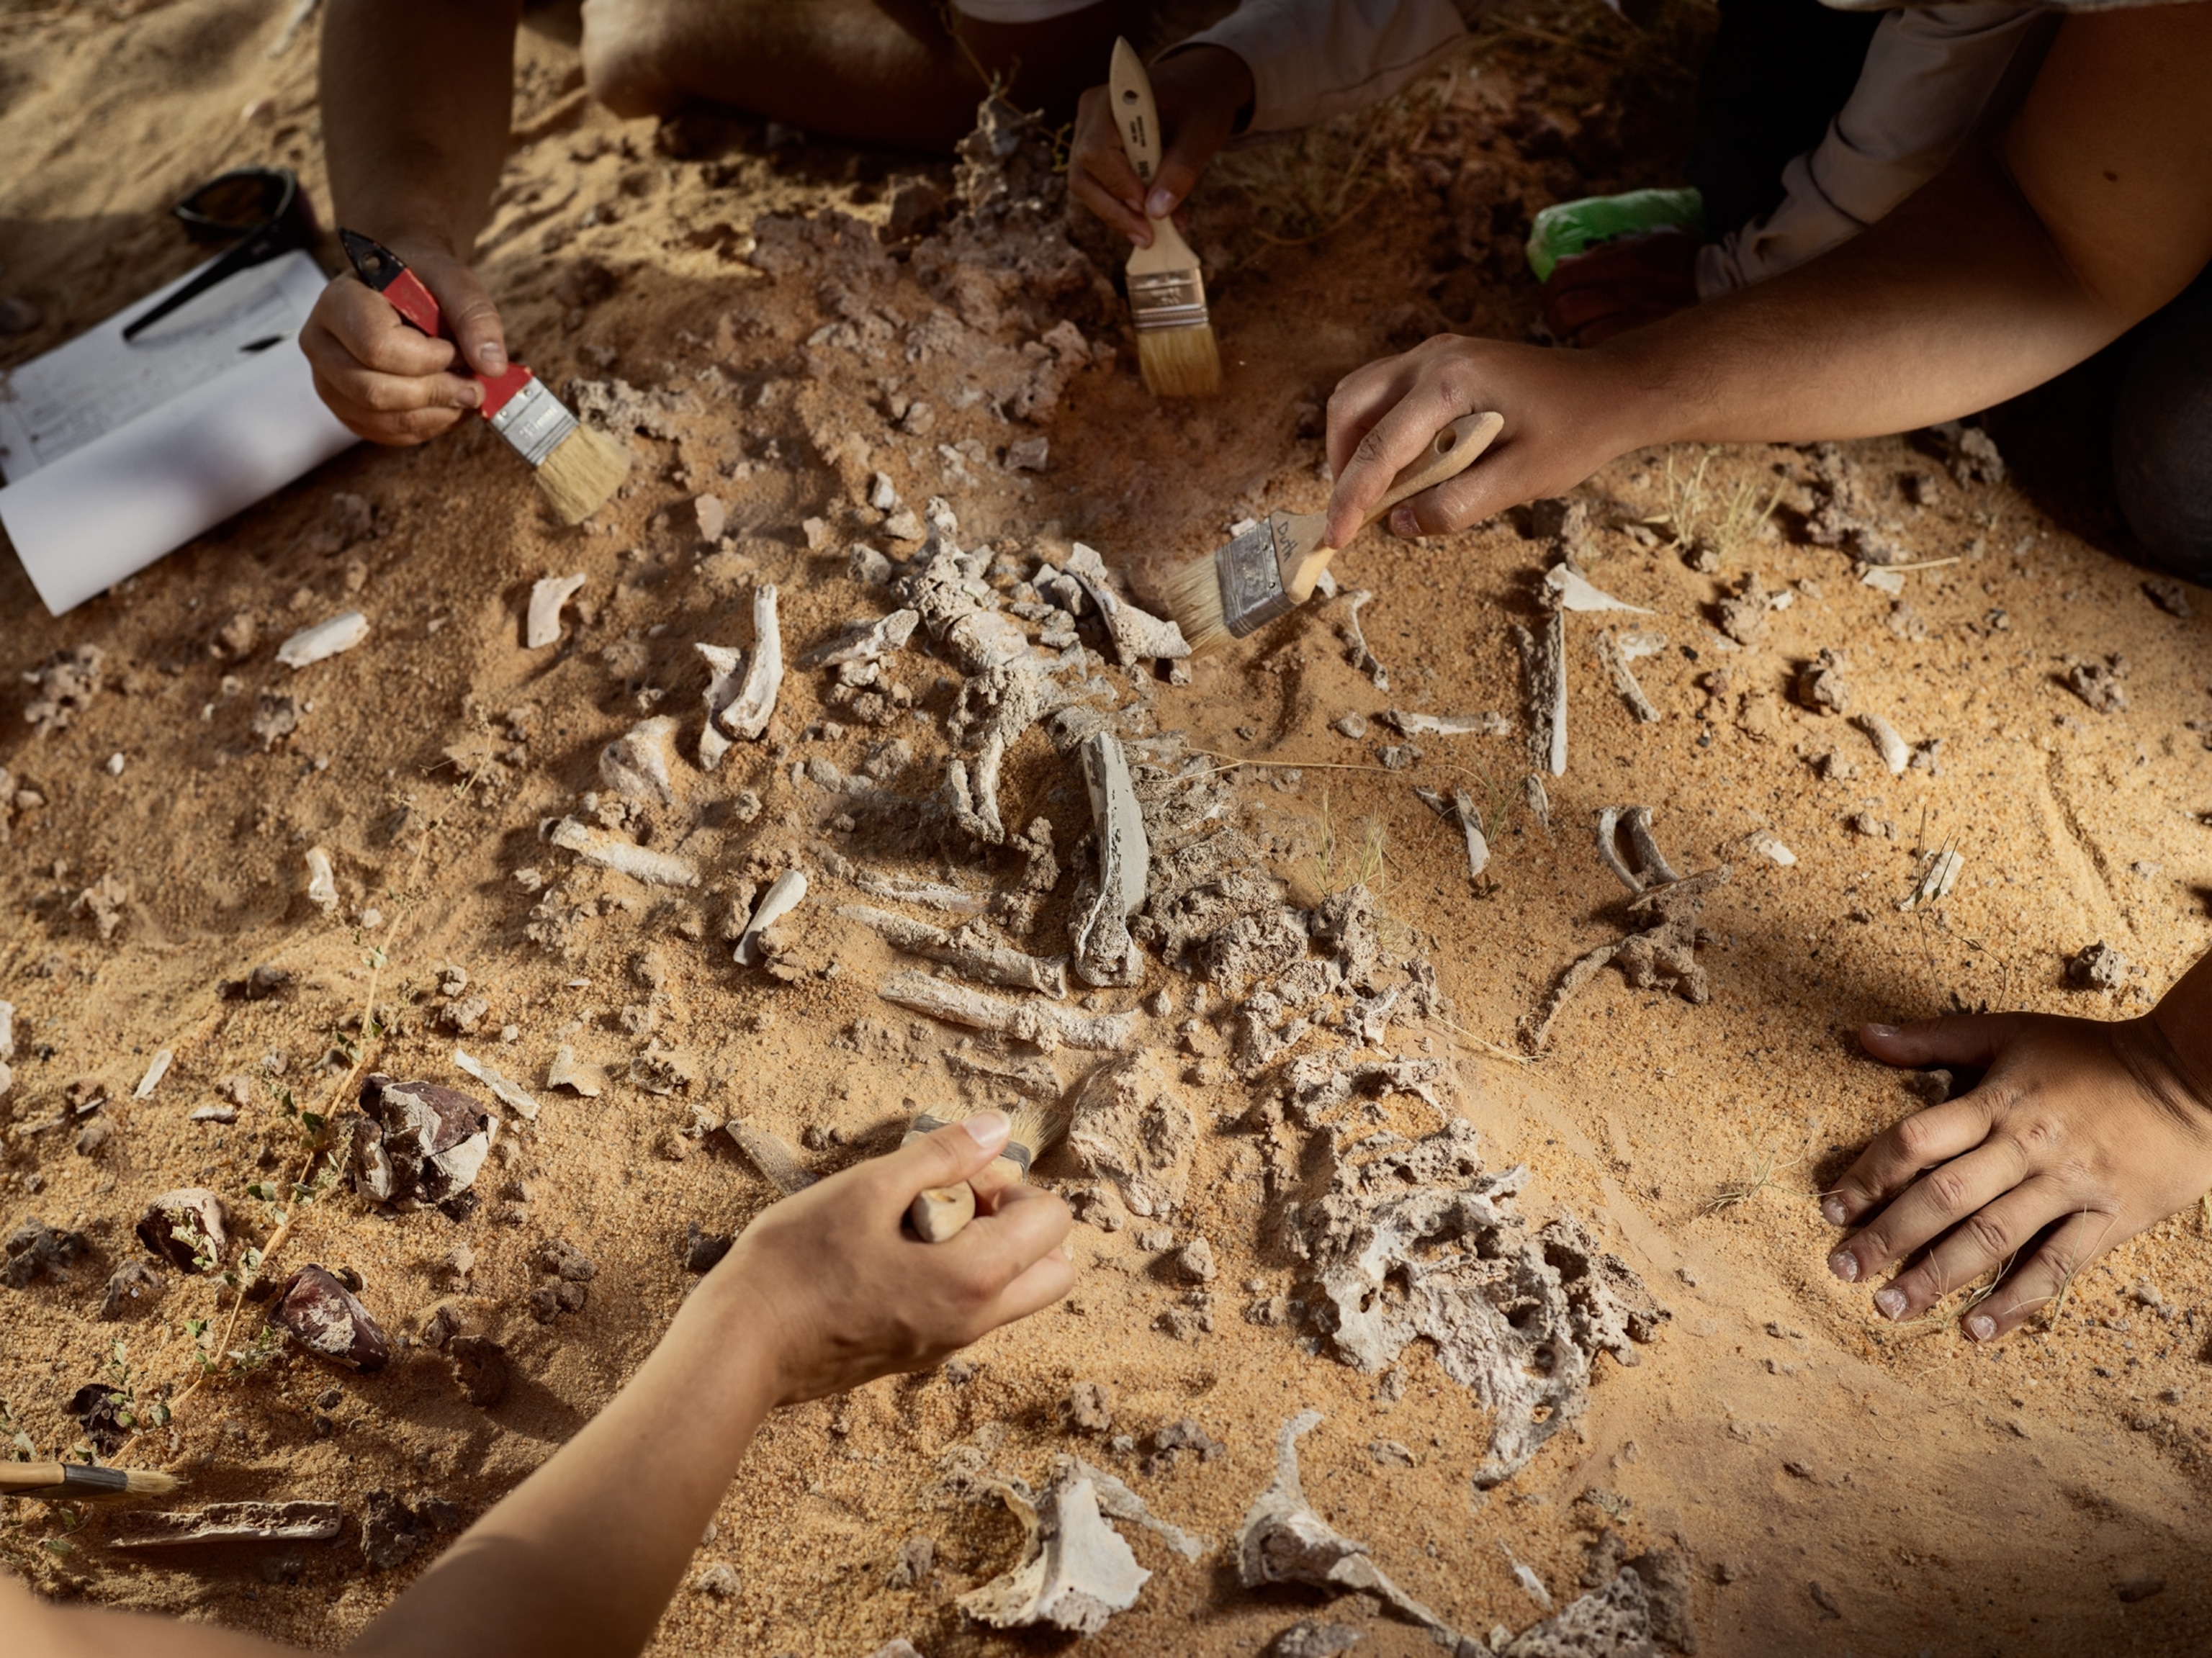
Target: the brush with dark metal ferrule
(939, 1212)
(68, 1481)
(1273, 567)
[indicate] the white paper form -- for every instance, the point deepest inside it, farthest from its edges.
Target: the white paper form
(116, 451)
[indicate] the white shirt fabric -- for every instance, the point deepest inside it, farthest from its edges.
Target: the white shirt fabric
(1314, 59)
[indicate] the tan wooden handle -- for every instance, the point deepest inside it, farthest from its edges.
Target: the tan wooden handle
(941, 1211)
(1135, 116)
(1450, 453)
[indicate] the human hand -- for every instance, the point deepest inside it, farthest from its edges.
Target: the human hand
(385, 379)
(1563, 420)
(849, 1294)
(1619, 285)
(1198, 93)
(2094, 1130)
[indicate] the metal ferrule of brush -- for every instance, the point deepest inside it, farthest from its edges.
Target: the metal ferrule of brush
(1250, 570)
(1014, 1152)
(534, 422)
(1167, 299)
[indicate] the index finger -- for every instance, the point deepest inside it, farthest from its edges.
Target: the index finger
(1901, 1152)
(1390, 444)
(375, 335)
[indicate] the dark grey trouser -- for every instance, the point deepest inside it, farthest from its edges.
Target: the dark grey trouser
(2162, 433)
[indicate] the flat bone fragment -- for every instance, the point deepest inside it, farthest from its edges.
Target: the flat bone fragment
(547, 596)
(1362, 658)
(511, 1093)
(1099, 929)
(1137, 635)
(1544, 662)
(1610, 653)
(322, 881)
(1449, 724)
(905, 888)
(156, 1070)
(783, 895)
(1573, 591)
(771, 1154)
(1539, 802)
(865, 641)
(1283, 1540)
(1470, 822)
(725, 679)
(324, 639)
(1033, 1078)
(640, 764)
(625, 857)
(565, 1072)
(748, 714)
(1076, 1571)
(1768, 845)
(1041, 1025)
(988, 964)
(1936, 881)
(1895, 753)
(226, 1522)
(7, 1031)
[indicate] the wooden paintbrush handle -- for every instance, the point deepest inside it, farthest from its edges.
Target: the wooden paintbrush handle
(1135, 116)
(941, 1211)
(1450, 453)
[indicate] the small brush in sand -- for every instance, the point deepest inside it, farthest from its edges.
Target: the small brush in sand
(942, 1210)
(578, 469)
(1272, 569)
(1167, 290)
(71, 1480)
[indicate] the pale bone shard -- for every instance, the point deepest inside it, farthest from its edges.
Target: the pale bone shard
(323, 641)
(1895, 753)
(1448, 725)
(1768, 845)
(771, 1154)
(157, 1069)
(548, 595)
(1886, 581)
(418, 1141)
(1362, 658)
(1651, 866)
(974, 957)
(1539, 802)
(1544, 663)
(1936, 881)
(1283, 1540)
(588, 1080)
(1615, 660)
(7, 1031)
(1041, 1025)
(641, 762)
(1098, 920)
(724, 681)
(1137, 635)
(1032, 1078)
(747, 715)
(624, 857)
(1663, 954)
(1076, 1571)
(226, 1522)
(1420, 1243)
(1321, 1082)
(1571, 591)
(1470, 822)
(322, 881)
(865, 641)
(509, 1092)
(1127, 1125)
(905, 888)
(187, 1227)
(783, 895)
(1614, 1622)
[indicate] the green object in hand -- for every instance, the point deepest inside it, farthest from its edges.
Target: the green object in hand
(1566, 229)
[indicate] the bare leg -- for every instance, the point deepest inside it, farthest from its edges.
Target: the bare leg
(883, 72)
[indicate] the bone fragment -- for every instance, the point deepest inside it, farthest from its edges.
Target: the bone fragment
(748, 714)
(1573, 591)
(547, 596)
(1042, 1024)
(625, 857)
(1449, 724)
(904, 889)
(7, 1031)
(588, 1080)
(865, 641)
(1652, 867)
(990, 963)
(1538, 803)
(1470, 822)
(638, 763)
(1615, 658)
(1936, 881)
(1768, 845)
(1544, 661)
(1137, 635)
(1099, 929)
(771, 1155)
(325, 639)
(1076, 1571)
(156, 1070)
(1283, 1540)
(1362, 658)
(1895, 753)
(322, 881)
(724, 681)
(782, 896)
(226, 1522)
(502, 1088)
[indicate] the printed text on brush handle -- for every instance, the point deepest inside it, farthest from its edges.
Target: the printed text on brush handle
(1135, 115)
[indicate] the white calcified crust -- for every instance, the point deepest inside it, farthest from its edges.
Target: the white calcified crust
(640, 764)
(783, 895)
(542, 626)
(588, 1080)
(1099, 929)
(1041, 1025)
(747, 715)
(1128, 1126)
(624, 857)
(325, 639)
(1613, 653)
(228, 1523)
(865, 642)
(1470, 823)
(977, 958)
(1448, 725)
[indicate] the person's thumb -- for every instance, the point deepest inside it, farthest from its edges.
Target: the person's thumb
(470, 314)
(947, 1156)
(1969, 1039)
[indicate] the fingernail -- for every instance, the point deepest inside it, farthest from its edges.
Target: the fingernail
(1159, 204)
(1402, 522)
(494, 360)
(1845, 1265)
(1981, 1327)
(1891, 1302)
(1833, 1210)
(1883, 1030)
(988, 1129)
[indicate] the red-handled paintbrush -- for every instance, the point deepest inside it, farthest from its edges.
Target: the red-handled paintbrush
(576, 467)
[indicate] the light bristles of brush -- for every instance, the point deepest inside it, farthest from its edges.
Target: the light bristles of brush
(582, 473)
(72, 1480)
(1192, 594)
(1180, 363)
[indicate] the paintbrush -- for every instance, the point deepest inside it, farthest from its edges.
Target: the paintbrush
(1273, 567)
(66, 1480)
(942, 1210)
(577, 468)
(1167, 291)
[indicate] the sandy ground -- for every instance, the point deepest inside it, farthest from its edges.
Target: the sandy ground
(1842, 1486)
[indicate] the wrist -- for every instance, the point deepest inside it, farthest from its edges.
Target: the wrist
(1203, 76)
(745, 1332)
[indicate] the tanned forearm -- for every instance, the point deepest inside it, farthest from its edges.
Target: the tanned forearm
(416, 96)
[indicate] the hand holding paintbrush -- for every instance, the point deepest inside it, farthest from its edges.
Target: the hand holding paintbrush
(1167, 290)
(943, 1211)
